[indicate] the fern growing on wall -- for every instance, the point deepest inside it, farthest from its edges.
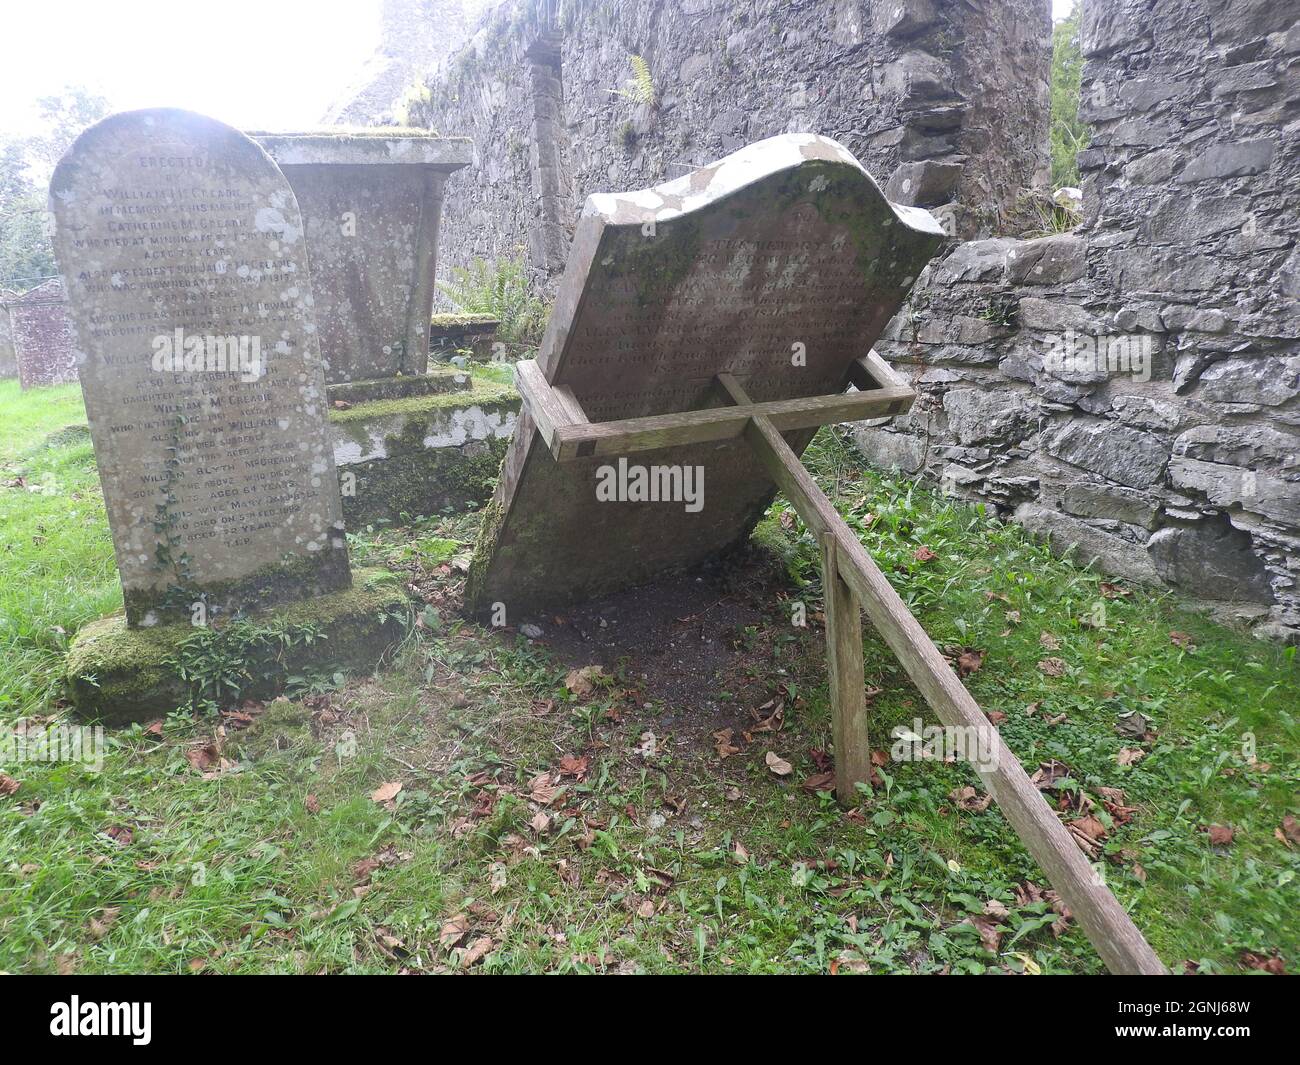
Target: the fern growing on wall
(640, 88)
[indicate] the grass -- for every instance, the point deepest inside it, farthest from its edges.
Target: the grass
(277, 859)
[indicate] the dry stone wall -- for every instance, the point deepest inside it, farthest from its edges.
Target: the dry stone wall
(1131, 387)
(916, 89)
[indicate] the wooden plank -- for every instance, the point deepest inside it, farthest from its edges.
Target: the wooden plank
(548, 412)
(1105, 922)
(722, 423)
(847, 679)
(871, 372)
(571, 405)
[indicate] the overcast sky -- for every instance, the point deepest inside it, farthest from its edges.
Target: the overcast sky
(255, 64)
(251, 63)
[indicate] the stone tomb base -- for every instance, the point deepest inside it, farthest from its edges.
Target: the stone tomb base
(418, 445)
(117, 675)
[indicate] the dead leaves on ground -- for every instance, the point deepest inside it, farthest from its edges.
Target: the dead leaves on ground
(969, 799)
(1053, 667)
(584, 682)
(386, 793)
(8, 786)
(777, 764)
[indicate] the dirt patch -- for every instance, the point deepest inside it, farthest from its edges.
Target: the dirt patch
(681, 641)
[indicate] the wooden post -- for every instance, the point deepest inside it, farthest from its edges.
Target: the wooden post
(1107, 925)
(848, 684)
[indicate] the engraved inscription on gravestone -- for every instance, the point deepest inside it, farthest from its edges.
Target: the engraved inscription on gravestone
(181, 247)
(779, 264)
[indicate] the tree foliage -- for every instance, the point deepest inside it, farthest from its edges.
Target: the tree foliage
(25, 166)
(1069, 134)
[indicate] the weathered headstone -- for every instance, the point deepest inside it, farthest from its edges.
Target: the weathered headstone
(371, 202)
(182, 251)
(8, 358)
(44, 349)
(779, 264)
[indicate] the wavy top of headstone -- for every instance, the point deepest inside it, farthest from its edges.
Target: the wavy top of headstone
(779, 264)
(788, 241)
(181, 248)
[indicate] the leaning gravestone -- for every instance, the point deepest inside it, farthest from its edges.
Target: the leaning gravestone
(182, 249)
(779, 264)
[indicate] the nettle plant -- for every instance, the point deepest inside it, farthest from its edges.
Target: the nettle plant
(222, 664)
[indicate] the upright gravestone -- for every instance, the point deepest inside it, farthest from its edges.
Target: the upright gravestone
(780, 264)
(182, 251)
(8, 359)
(44, 349)
(371, 203)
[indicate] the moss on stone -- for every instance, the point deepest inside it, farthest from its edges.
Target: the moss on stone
(293, 577)
(438, 382)
(440, 322)
(417, 480)
(488, 395)
(118, 674)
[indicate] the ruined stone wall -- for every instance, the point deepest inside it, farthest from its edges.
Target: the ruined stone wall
(913, 87)
(1131, 387)
(414, 36)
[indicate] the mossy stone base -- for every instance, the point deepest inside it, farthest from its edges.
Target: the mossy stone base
(118, 675)
(422, 455)
(425, 384)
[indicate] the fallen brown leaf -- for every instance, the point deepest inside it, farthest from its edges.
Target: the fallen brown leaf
(1053, 667)
(582, 682)
(386, 792)
(454, 929)
(777, 764)
(1220, 835)
(924, 554)
(819, 782)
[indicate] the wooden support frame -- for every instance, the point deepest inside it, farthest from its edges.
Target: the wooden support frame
(568, 439)
(853, 582)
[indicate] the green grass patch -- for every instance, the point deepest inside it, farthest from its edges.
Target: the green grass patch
(534, 831)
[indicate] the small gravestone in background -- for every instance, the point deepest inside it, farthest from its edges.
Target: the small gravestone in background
(182, 250)
(44, 349)
(371, 203)
(8, 360)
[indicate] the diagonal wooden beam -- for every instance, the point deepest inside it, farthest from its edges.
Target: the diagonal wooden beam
(1110, 929)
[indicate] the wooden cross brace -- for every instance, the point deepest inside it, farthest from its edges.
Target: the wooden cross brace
(852, 583)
